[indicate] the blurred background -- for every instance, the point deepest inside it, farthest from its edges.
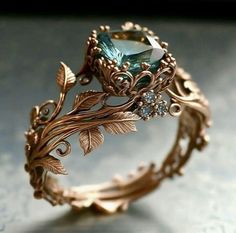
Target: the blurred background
(201, 36)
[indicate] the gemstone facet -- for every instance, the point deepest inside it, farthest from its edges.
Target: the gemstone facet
(150, 104)
(145, 111)
(149, 97)
(131, 46)
(162, 108)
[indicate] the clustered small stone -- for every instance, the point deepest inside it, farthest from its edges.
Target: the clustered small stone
(151, 105)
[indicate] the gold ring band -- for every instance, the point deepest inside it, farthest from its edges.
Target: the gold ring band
(147, 74)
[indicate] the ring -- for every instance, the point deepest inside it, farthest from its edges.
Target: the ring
(134, 63)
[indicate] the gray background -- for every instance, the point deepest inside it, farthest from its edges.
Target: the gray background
(203, 201)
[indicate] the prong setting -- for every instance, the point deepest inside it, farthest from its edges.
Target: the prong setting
(109, 70)
(151, 105)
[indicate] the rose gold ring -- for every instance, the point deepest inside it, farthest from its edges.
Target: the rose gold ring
(130, 62)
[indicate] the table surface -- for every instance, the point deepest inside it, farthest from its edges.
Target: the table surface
(203, 201)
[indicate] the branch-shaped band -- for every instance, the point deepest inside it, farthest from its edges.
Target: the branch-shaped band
(50, 129)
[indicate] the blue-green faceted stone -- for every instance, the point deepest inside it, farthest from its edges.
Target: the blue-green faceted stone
(145, 111)
(130, 46)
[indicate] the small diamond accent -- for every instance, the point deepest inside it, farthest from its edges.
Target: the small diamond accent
(162, 108)
(151, 105)
(145, 111)
(149, 97)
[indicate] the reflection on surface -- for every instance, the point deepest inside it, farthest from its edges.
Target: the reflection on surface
(137, 219)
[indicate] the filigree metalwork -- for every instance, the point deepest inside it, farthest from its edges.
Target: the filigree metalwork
(50, 130)
(118, 80)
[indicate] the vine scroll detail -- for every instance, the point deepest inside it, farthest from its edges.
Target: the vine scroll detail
(50, 131)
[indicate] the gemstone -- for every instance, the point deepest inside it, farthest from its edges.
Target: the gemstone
(145, 111)
(162, 108)
(131, 46)
(149, 97)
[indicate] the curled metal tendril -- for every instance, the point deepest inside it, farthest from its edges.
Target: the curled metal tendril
(122, 80)
(45, 110)
(175, 109)
(65, 150)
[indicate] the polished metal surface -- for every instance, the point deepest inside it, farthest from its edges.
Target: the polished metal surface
(203, 200)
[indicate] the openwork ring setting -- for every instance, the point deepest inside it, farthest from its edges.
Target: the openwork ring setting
(134, 63)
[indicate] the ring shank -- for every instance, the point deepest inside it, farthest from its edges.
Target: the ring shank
(117, 194)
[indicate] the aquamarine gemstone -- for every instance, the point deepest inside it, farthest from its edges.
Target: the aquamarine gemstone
(131, 46)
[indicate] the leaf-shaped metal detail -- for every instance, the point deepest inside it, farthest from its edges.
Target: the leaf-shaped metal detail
(90, 139)
(121, 123)
(65, 77)
(88, 99)
(51, 164)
